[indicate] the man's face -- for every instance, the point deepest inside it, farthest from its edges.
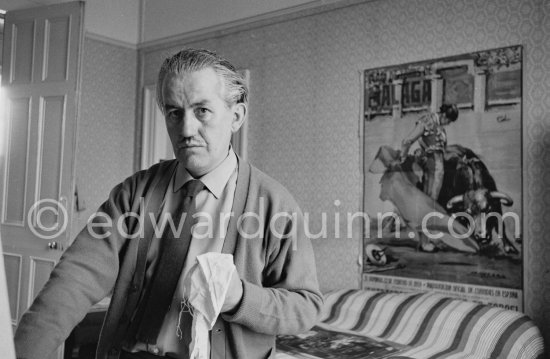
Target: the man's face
(198, 120)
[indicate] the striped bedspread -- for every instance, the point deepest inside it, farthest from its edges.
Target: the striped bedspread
(430, 325)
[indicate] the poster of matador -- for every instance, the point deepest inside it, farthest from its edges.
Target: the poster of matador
(442, 153)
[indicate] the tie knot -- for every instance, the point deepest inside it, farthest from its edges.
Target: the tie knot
(191, 188)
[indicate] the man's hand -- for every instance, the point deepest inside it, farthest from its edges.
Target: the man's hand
(234, 293)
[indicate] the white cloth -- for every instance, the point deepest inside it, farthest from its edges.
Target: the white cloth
(204, 291)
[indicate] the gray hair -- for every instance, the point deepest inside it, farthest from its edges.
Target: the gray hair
(189, 60)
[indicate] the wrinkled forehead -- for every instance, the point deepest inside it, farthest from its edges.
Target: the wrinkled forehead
(193, 85)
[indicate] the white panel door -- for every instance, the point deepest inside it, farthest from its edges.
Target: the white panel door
(40, 73)
(155, 144)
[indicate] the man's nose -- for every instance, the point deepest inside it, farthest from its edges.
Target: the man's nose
(189, 125)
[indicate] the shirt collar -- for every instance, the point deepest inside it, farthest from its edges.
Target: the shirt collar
(214, 180)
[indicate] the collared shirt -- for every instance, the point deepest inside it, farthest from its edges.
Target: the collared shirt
(210, 210)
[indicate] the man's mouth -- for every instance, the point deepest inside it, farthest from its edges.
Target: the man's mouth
(185, 145)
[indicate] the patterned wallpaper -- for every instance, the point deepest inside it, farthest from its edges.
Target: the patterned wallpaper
(305, 107)
(105, 143)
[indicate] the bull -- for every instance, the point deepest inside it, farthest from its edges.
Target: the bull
(469, 188)
(426, 219)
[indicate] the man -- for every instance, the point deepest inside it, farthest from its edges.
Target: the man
(274, 289)
(432, 138)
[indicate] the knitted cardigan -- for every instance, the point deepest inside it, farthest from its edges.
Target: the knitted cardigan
(265, 235)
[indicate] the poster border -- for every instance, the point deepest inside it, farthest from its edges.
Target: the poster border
(522, 188)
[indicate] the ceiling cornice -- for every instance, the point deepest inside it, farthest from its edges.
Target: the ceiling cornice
(308, 9)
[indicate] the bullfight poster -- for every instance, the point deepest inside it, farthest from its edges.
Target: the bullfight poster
(442, 155)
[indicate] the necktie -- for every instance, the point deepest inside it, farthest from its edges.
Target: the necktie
(172, 256)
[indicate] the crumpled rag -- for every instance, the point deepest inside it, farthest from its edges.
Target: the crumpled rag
(204, 290)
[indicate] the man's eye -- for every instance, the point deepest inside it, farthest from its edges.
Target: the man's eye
(201, 112)
(173, 115)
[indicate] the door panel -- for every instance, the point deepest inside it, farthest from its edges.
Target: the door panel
(15, 190)
(13, 263)
(155, 145)
(51, 143)
(39, 273)
(40, 73)
(56, 56)
(21, 44)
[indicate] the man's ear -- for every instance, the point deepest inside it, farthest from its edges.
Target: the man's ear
(239, 115)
